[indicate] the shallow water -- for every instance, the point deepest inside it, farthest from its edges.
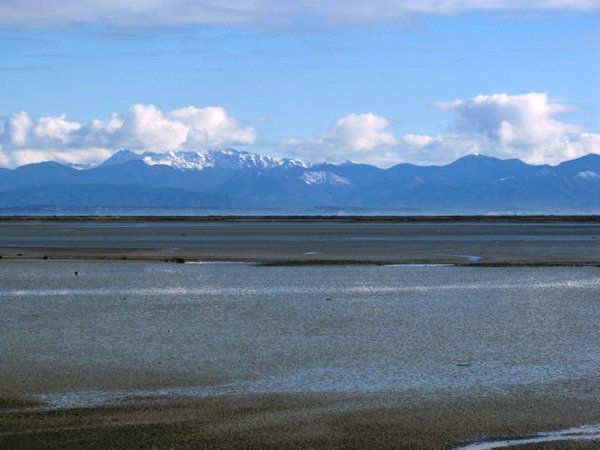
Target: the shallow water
(575, 434)
(252, 329)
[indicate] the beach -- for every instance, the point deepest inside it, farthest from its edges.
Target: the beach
(297, 334)
(308, 240)
(298, 422)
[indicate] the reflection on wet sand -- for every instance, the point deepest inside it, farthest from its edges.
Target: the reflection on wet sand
(410, 351)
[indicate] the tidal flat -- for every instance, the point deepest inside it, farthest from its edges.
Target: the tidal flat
(309, 240)
(278, 335)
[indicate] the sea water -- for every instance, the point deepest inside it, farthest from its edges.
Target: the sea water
(343, 329)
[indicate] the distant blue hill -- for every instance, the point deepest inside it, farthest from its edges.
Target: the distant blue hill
(228, 180)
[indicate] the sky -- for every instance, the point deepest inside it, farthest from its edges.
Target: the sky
(373, 81)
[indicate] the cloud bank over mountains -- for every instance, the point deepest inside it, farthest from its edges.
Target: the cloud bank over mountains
(143, 127)
(507, 126)
(522, 126)
(510, 126)
(356, 137)
(144, 13)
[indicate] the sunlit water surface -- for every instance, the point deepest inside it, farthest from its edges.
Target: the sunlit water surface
(351, 329)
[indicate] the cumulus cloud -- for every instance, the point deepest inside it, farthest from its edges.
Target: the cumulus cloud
(359, 137)
(144, 127)
(525, 126)
(361, 132)
(510, 126)
(522, 126)
(212, 124)
(254, 12)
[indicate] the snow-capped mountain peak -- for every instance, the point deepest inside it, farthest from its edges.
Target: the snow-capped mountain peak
(227, 158)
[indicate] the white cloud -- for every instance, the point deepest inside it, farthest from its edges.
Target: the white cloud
(359, 137)
(525, 126)
(75, 156)
(506, 126)
(57, 129)
(515, 126)
(362, 132)
(4, 162)
(17, 127)
(418, 141)
(212, 125)
(255, 12)
(20, 130)
(146, 127)
(143, 127)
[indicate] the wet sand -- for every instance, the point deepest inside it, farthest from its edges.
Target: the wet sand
(285, 421)
(280, 241)
(408, 419)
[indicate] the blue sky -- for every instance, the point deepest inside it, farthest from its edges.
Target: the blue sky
(323, 85)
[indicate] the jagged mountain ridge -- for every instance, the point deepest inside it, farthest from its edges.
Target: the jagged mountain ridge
(224, 179)
(228, 158)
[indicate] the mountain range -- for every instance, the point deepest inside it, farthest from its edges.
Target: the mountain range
(227, 180)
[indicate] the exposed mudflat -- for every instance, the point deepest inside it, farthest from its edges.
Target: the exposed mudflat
(308, 241)
(299, 421)
(316, 334)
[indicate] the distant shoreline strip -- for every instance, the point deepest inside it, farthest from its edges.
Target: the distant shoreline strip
(302, 218)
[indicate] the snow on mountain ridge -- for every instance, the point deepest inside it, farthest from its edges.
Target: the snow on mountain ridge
(588, 175)
(311, 177)
(210, 158)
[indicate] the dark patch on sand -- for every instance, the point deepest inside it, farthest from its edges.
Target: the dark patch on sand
(15, 402)
(285, 421)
